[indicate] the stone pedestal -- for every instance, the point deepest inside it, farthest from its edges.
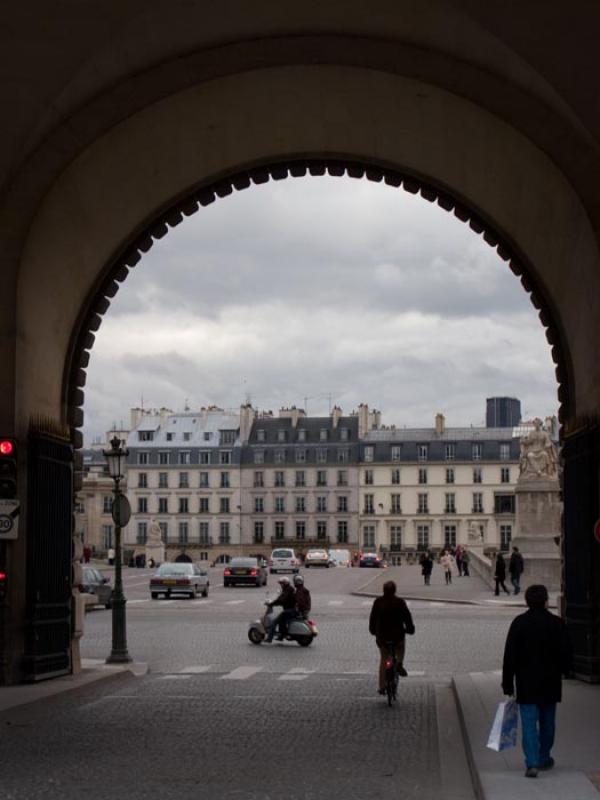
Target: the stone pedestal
(156, 552)
(538, 531)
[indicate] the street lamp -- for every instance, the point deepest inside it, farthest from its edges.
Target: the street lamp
(121, 512)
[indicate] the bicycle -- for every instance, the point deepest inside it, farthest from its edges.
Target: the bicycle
(391, 673)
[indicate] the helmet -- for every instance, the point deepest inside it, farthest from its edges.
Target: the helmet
(284, 581)
(298, 580)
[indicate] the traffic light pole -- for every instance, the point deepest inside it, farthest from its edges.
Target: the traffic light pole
(119, 653)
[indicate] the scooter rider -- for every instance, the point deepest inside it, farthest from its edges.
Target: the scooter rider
(287, 600)
(303, 600)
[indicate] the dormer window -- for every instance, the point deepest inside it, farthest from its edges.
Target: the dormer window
(145, 436)
(281, 436)
(323, 435)
(302, 435)
(260, 435)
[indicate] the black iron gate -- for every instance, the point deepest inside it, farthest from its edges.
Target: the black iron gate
(49, 549)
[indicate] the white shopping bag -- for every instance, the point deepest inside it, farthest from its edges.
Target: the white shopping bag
(504, 729)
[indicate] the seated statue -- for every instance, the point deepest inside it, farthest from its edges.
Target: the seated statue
(538, 454)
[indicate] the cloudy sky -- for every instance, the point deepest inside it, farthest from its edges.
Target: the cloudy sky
(315, 291)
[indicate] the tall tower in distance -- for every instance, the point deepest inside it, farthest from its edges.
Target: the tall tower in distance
(502, 412)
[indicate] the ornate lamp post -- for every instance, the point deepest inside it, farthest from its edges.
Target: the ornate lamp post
(121, 512)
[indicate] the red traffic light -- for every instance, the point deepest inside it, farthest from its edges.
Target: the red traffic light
(7, 448)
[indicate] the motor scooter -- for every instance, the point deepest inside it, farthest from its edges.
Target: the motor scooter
(300, 630)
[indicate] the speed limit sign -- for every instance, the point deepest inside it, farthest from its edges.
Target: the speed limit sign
(9, 519)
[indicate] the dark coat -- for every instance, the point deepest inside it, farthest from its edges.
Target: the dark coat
(390, 620)
(426, 565)
(536, 655)
(500, 569)
(515, 565)
(287, 598)
(303, 600)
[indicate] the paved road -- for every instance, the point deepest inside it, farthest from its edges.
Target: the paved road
(218, 717)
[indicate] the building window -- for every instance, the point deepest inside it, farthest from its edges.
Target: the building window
(504, 452)
(279, 479)
(224, 505)
(184, 457)
(422, 452)
(204, 483)
(79, 507)
(170, 437)
(164, 531)
(505, 537)
(369, 507)
(395, 477)
(184, 481)
(505, 475)
(142, 532)
(259, 505)
(259, 456)
(449, 535)
(450, 452)
(227, 437)
(300, 456)
(477, 503)
(423, 504)
(368, 536)
(279, 456)
(281, 436)
(163, 505)
(342, 531)
(163, 480)
(280, 505)
(396, 507)
(224, 533)
(203, 505)
(203, 555)
(422, 537)
(300, 478)
(145, 436)
(107, 504)
(321, 477)
(422, 475)
(187, 436)
(396, 452)
(302, 435)
(142, 458)
(259, 532)
(322, 504)
(476, 452)
(321, 529)
(504, 504)
(300, 530)
(224, 480)
(142, 505)
(300, 505)
(163, 457)
(279, 530)
(342, 505)
(450, 475)
(369, 454)
(184, 505)
(450, 507)
(183, 532)
(224, 457)
(260, 435)
(476, 474)
(258, 480)
(107, 536)
(203, 531)
(344, 434)
(396, 537)
(207, 436)
(369, 477)
(343, 455)
(321, 455)
(204, 457)
(342, 477)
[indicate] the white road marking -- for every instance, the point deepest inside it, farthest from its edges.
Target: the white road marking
(175, 677)
(335, 603)
(201, 602)
(195, 669)
(137, 602)
(416, 672)
(241, 673)
(296, 674)
(234, 602)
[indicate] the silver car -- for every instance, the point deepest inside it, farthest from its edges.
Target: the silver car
(179, 579)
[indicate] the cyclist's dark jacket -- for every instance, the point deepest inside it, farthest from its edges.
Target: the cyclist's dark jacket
(287, 598)
(390, 620)
(303, 601)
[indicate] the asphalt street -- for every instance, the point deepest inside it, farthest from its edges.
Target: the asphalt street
(218, 717)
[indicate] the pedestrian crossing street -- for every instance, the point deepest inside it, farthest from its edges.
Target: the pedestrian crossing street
(246, 672)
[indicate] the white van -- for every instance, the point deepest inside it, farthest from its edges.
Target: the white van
(283, 559)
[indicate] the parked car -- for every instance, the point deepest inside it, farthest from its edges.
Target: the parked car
(316, 558)
(172, 578)
(340, 558)
(245, 570)
(97, 586)
(283, 559)
(370, 560)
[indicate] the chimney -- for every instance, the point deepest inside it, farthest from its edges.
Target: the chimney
(440, 424)
(292, 413)
(363, 420)
(136, 417)
(336, 415)
(375, 420)
(247, 417)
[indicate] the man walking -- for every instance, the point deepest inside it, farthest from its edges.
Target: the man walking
(389, 621)
(515, 569)
(536, 655)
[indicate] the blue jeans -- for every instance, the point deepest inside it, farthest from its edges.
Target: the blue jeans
(537, 722)
(516, 582)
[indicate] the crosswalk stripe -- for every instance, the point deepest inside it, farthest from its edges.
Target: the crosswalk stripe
(201, 602)
(175, 677)
(195, 669)
(241, 673)
(335, 603)
(234, 602)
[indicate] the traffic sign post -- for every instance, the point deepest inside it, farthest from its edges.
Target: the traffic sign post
(9, 519)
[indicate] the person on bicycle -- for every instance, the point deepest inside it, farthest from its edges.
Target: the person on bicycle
(287, 600)
(389, 622)
(303, 599)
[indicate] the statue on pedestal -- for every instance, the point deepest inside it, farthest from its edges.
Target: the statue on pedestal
(155, 548)
(539, 459)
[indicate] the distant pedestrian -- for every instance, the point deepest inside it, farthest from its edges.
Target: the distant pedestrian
(447, 562)
(500, 574)
(536, 656)
(87, 554)
(458, 557)
(111, 556)
(426, 562)
(515, 568)
(466, 557)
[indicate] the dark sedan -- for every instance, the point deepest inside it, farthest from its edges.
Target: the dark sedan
(245, 570)
(370, 560)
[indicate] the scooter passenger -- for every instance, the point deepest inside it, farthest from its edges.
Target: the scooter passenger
(303, 599)
(287, 600)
